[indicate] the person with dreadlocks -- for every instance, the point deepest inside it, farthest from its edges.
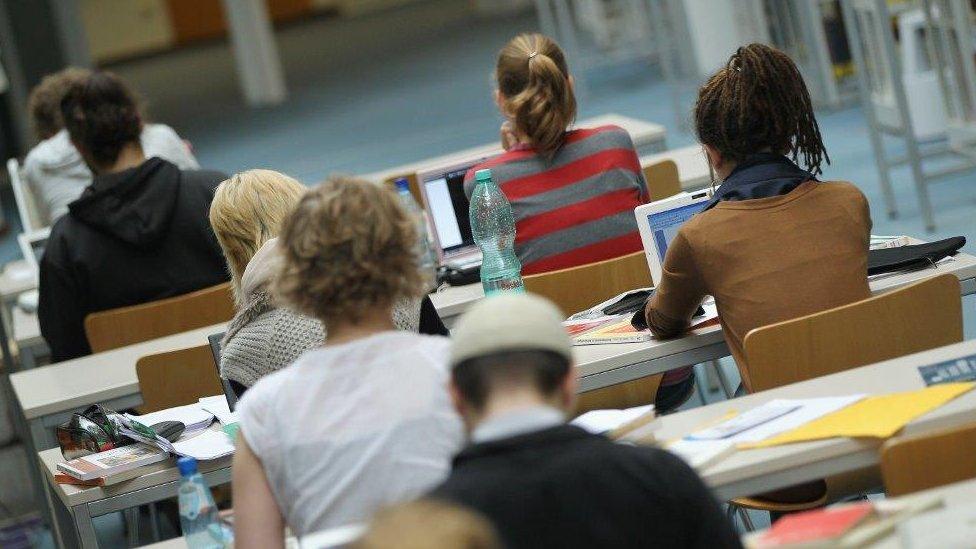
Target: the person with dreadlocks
(774, 243)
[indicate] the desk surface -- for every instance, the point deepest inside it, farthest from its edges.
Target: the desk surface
(104, 376)
(748, 472)
(960, 494)
(72, 495)
(693, 170)
(641, 132)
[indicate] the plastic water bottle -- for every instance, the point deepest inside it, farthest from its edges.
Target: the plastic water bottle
(198, 513)
(428, 260)
(493, 228)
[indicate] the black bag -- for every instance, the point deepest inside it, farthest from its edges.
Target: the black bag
(903, 258)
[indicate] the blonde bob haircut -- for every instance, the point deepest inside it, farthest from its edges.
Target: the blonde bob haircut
(348, 247)
(247, 211)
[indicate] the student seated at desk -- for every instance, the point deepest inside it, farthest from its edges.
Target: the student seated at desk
(573, 192)
(246, 215)
(774, 243)
(365, 421)
(54, 171)
(138, 233)
(541, 482)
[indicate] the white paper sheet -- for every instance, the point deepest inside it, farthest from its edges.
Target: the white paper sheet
(218, 406)
(208, 445)
(601, 421)
(699, 454)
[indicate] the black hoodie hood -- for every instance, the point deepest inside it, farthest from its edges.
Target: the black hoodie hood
(134, 205)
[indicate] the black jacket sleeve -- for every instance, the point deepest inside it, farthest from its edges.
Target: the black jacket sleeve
(60, 313)
(430, 321)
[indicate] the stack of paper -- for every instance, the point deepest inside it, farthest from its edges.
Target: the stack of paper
(193, 416)
(701, 453)
(604, 421)
(206, 446)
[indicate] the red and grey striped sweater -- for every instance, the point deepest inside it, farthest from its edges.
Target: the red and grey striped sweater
(576, 208)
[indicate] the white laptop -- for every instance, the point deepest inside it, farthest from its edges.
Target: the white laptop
(659, 222)
(32, 245)
(442, 189)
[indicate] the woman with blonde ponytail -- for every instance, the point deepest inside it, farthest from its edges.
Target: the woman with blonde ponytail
(573, 191)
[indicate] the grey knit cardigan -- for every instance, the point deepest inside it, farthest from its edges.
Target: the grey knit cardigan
(263, 338)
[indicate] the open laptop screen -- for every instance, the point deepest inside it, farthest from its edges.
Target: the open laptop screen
(448, 209)
(664, 225)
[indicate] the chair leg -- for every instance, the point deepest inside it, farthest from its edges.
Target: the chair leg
(746, 520)
(131, 517)
(154, 521)
(699, 386)
(723, 379)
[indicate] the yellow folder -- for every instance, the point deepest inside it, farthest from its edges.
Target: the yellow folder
(876, 417)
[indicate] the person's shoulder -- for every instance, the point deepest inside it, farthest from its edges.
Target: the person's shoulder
(52, 153)
(159, 131)
(842, 189)
(610, 136)
(434, 347)
(203, 178)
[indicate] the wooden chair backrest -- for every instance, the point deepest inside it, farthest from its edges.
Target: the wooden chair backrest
(175, 378)
(137, 323)
(919, 462)
(662, 180)
(918, 317)
(577, 288)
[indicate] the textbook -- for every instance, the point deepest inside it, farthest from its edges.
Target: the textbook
(618, 328)
(113, 462)
(818, 528)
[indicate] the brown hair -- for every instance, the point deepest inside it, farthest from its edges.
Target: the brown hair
(247, 211)
(429, 523)
(759, 102)
(44, 103)
(101, 113)
(347, 247)
(533, 79)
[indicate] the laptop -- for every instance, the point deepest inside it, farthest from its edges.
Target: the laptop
(659, 222)
(32, 246)
(442, 189)
(215, 349)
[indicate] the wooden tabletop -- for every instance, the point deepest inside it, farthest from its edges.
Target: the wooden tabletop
(748, 472)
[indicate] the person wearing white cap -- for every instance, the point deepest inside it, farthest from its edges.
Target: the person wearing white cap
(544, 483)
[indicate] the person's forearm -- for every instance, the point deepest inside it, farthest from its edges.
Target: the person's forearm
(663, 326)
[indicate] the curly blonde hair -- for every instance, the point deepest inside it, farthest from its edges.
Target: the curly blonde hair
(247, 211)
(349, 246)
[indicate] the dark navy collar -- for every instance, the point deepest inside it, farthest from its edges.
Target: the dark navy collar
(761, 175)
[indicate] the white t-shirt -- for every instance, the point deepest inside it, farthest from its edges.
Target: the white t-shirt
(349, 429)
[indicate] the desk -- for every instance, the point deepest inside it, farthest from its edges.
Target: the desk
(953, 496)
(79, 505)
(27, 338)
(647, 137)
(750, 472)
(693, 169)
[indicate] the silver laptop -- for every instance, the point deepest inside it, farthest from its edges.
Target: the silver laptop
(442, 189)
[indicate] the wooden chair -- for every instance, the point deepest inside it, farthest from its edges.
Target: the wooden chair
(175, 378)
(577, 288)
(662, 180)
(919, 462)
(127, 325)
(918, 317)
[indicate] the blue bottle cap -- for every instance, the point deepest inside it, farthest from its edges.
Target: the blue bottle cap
(482, 175)
(402, 184)
(187, 466)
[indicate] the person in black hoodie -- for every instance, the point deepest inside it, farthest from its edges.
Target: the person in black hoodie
(541, 482)
(140, 232)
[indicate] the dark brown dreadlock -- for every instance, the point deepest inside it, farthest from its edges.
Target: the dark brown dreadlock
(759, 102)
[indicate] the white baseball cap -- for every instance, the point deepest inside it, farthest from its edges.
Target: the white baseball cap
(510, 322)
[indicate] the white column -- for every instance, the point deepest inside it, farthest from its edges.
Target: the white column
(255, 51)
